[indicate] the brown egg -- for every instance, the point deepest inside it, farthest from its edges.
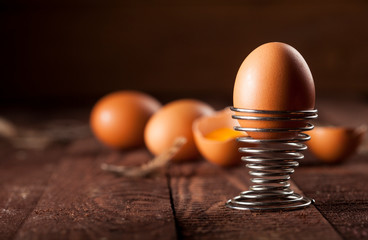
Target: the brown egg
(216, 138)
(335, 144)
(273, 77)
(118, 119)
(175, 120)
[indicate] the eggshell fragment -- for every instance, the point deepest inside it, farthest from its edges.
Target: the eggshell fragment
(118, 119)
(274, 77)
(172, 121)
(335, 144)
(220, 152)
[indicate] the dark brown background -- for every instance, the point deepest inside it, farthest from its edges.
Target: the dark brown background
(80, 50)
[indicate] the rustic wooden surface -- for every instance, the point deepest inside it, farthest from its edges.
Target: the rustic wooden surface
(61, 193)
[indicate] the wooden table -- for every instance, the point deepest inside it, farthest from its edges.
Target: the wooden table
(61, 192)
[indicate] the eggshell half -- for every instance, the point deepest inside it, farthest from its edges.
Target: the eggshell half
(222, 153)
(335, 144)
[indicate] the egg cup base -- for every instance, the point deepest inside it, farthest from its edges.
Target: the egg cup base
(287, 203)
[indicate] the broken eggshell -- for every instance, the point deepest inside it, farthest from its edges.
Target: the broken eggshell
(220, 152)
(335, 144)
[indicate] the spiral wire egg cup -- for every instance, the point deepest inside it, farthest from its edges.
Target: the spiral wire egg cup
(272, 161)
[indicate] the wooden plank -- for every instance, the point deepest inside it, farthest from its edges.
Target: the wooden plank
(23, 178)
(340, 191)
(199, 194)
(24, 174)
(82, 201)
(341, 194)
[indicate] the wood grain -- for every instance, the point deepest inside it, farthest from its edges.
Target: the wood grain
(61, 193)
(341, 194)
(83, 202)
(23, 178)
(340, 191)
(200, 191)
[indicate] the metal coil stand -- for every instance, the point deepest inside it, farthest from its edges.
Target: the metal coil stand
(272, 161)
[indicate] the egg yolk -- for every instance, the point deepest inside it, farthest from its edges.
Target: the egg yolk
(223, 134)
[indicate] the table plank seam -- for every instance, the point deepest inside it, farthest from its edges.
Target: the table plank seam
(332, 225)
(177, 227)
(315, 206)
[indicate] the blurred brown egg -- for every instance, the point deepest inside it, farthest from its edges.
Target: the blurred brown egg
(274, 77)
(118, 119)
(172, 121)
(216, 138)
(335, 144)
